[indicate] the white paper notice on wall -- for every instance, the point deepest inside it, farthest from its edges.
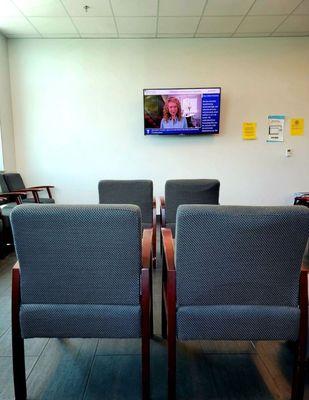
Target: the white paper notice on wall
(275, 128)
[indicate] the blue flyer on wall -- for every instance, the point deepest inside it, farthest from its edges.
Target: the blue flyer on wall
(275, 128)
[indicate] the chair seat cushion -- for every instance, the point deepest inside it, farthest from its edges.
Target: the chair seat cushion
(80, 320)
(43, 200)
(28, 200)
(250, 322)
(46, 200)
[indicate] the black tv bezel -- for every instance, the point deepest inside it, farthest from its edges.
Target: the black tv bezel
(184, 134)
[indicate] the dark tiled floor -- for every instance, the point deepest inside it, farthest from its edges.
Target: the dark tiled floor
(110, 369)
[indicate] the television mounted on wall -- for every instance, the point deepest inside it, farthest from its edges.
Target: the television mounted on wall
(193, 111)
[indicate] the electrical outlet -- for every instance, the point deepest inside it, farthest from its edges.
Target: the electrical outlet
(288, 152)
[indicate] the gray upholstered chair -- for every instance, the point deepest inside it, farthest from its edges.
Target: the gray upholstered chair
(72, 260)
(7, 202)
(15, 183)
(186, 191)
(234, 273)
(138, 192)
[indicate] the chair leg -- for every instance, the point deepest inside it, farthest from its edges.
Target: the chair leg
(154, 249)
(171, 343)
(145, 330)
(163, 291)
(19, 372)
(146, 367)
(163, 317)
(171, 332)
(298, 384)
(151, 304)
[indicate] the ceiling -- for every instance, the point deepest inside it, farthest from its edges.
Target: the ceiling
(153, 18)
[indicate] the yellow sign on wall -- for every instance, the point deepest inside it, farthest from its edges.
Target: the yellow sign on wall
(297, 126)
(249, 130)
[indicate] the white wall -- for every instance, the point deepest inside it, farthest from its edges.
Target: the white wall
(78, 114)
(6, 121)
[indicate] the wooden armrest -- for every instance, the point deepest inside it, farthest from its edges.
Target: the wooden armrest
(154, 214)
(16, 196)
(47, 187)
(33, 191)
(154, 235)
(147, 248)
(168, 248)
(145, 302)
(16, 266)
(169, 281)
(15, 309)
(305, 268)
(162, 211)
(16, 284)
(42, 187)
(26, 190)
(145, 278)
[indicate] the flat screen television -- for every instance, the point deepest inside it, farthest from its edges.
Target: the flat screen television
(182, 111)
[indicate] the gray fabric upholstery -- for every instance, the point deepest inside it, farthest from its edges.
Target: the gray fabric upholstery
(234, 255)
(43, 200)
(80, 320)
(237, 322)
(27, 200)
(80, 269)
(14, 181)
(46, 200)
(78, 254)
(189, 191)
(239, 252)
(138, 192)
(3, 185)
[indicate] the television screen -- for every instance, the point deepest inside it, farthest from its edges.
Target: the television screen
(181, 111)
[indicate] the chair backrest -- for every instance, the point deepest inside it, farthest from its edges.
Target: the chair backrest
(189, 191)
(138, 192)
(239, 255)
(14, 181)
(78, 254)
(3, 185)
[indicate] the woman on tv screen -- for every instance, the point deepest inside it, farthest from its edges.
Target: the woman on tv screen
(172, 115)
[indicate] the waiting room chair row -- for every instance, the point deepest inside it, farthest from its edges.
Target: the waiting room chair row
(138, 192)
(177, 192)
(231, 273)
